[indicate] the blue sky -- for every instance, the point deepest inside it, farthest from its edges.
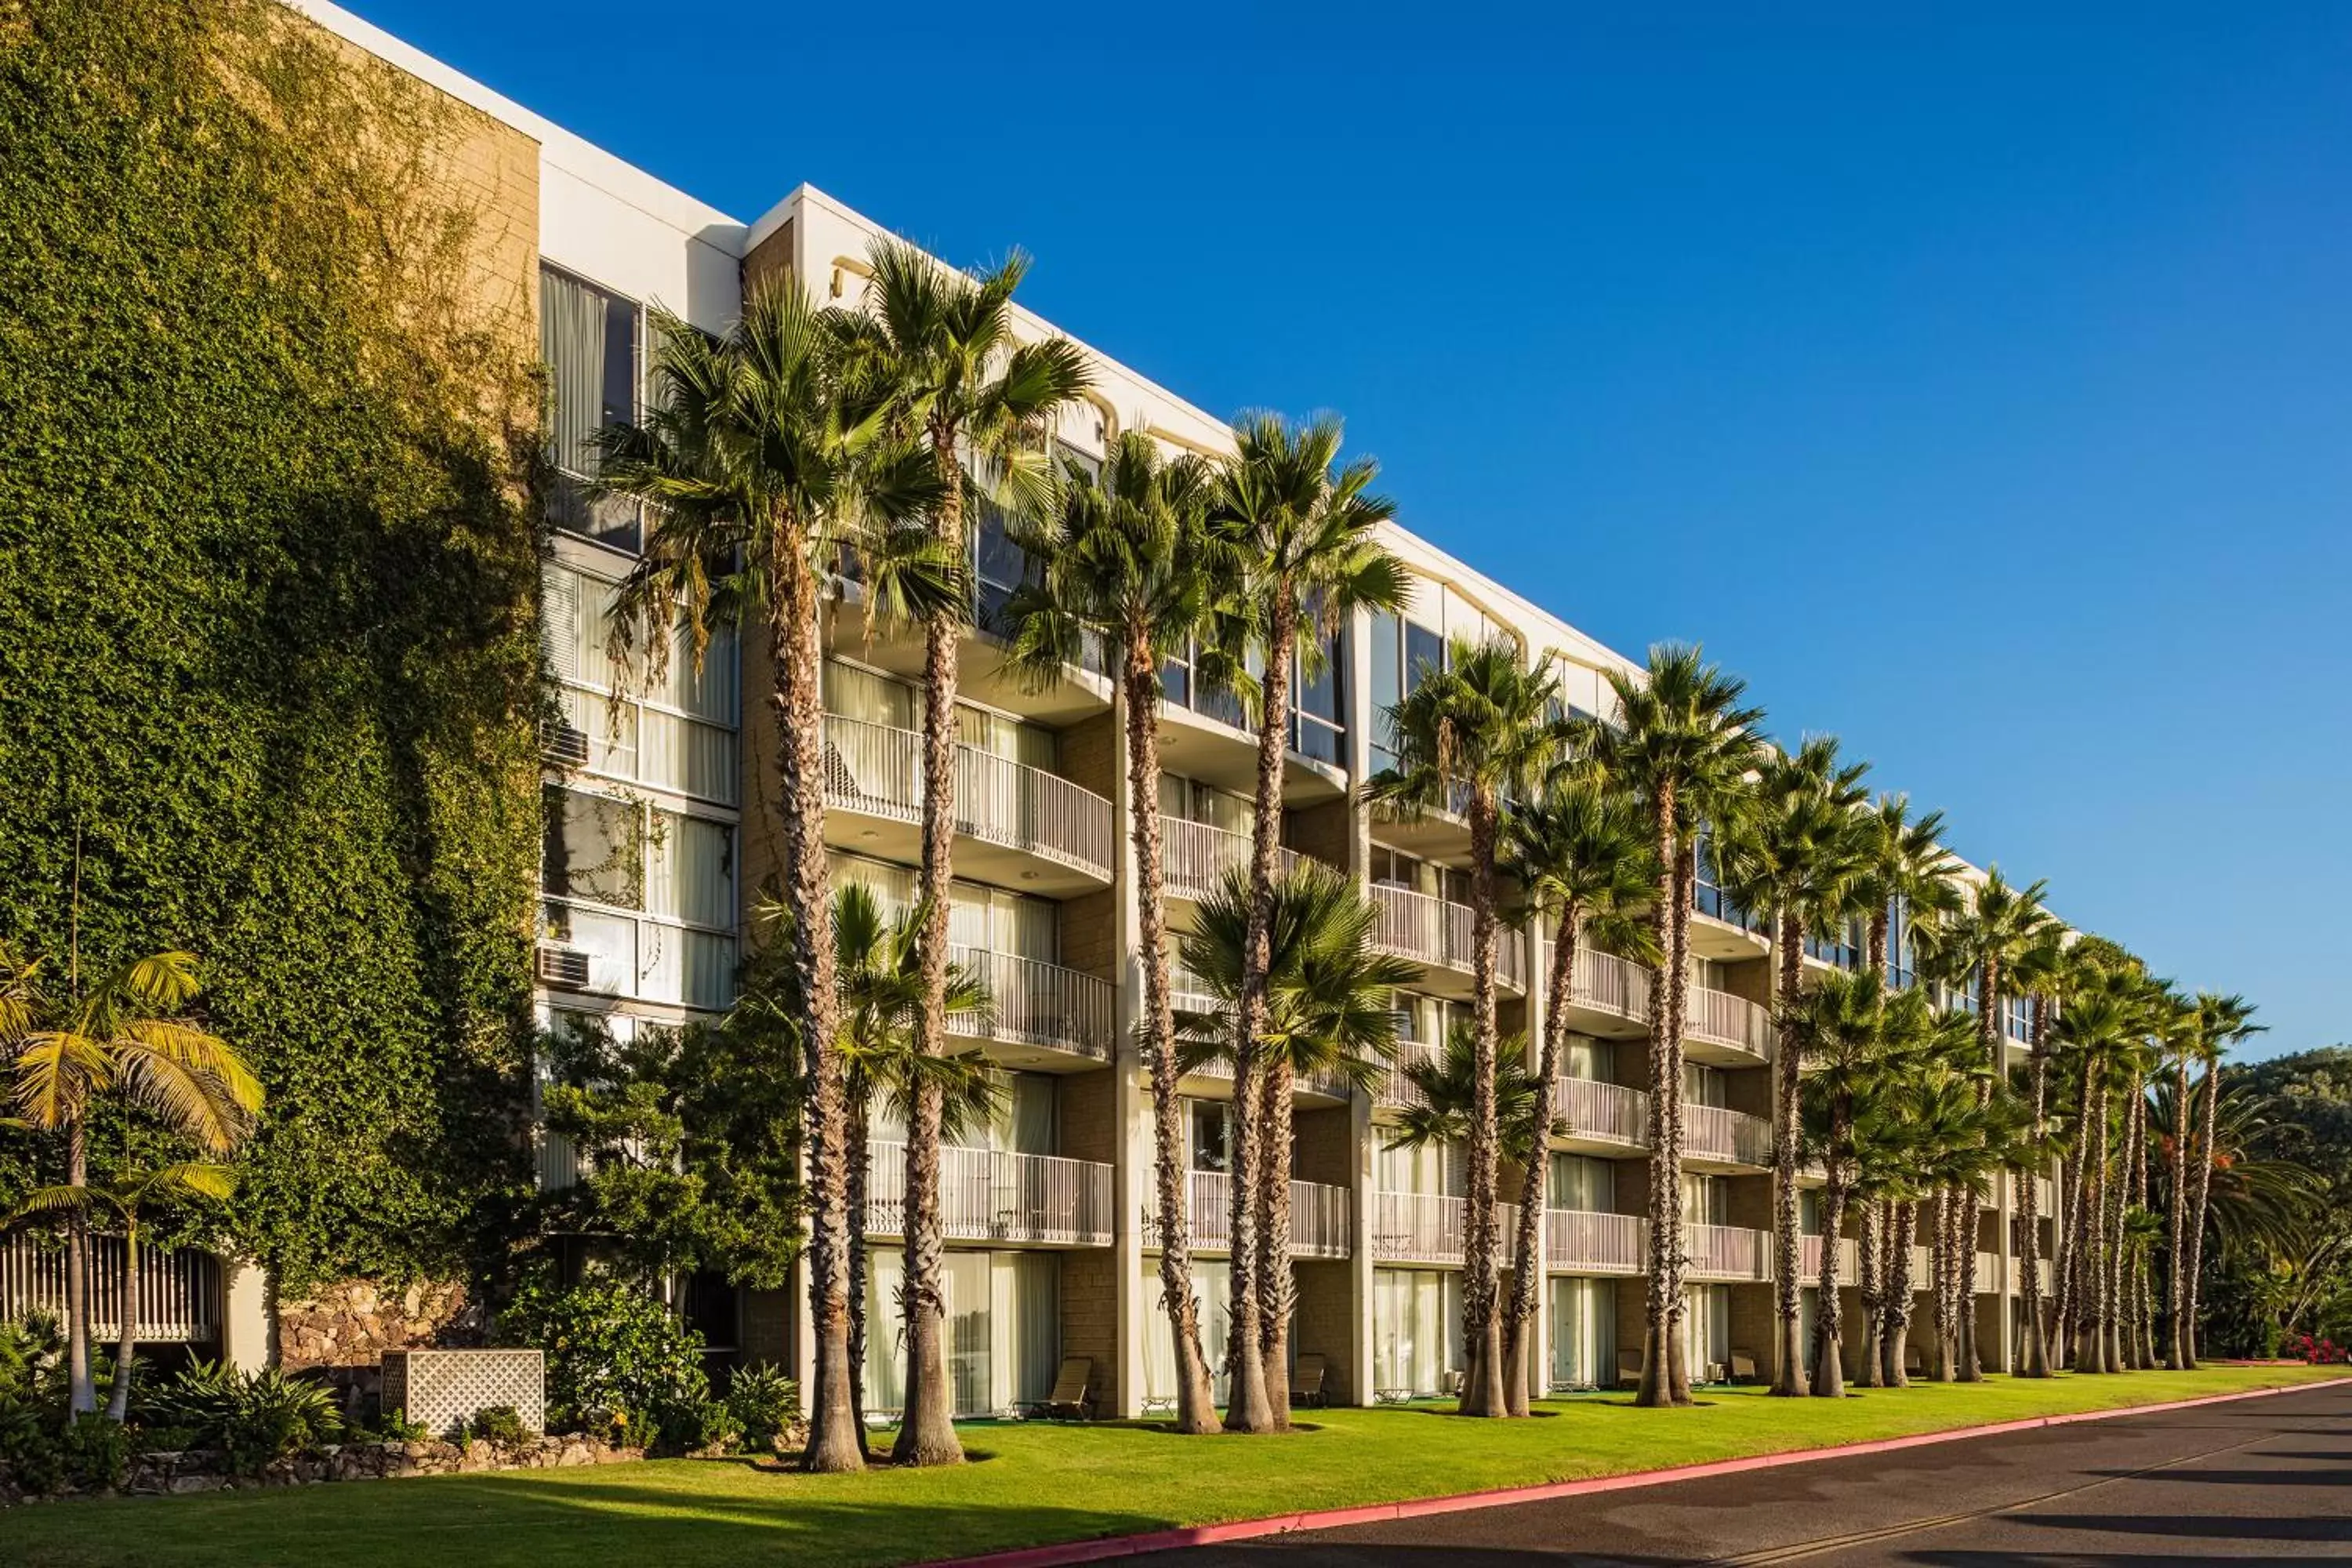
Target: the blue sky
(1976, 382)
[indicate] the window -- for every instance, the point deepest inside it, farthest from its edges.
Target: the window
(998, 565)
(1316, 729)
(648, 894)
(1209, 1125)
(1842, 951)
(589, 340)
(677, 734)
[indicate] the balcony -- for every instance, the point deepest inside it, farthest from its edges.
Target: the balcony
(1043, 1012)
(1436, 933)
(1713, 1136)
(1021, 826)
(179, 1291)
(1728, 1254)
(1321, 1217)
(1427, 1228)
(1398, 1089)
(1194, 856)
(1578, 1241)
(1849, 1259)
(1603, 1113)
(990, 1194)
(1611, 998)
(1187, 996)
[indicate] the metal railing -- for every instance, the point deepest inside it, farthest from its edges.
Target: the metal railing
(1194, 856)
(1185, 1000)
(1322, 1215)
(1398, 1089)
(1849, 1258)
(1427, 1228)
(1728, 1252)
(876, 770)
(1583, 1241)
(1605, 1113)
(989, 1194)
(1607, 984)
(1720, 1018)
(1036, 1004)
(178, 1292)
(1434, 930)
(1711, 1132)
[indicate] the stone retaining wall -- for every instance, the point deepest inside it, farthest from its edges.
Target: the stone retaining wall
(206, 1469)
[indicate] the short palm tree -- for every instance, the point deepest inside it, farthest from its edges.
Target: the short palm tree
(1450, 1087)
(1583, 857)
(1682, 744)
(1995, 932)
(127, 1034)
(1480, 731)
(2222, 1022)
(1797, 853)
(126, 1198)
(1127, 563)
(764, 462)
(1306, 528)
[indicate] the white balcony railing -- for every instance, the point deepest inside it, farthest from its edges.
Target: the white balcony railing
(1580, 1241)
(1427, 1228)
(178, 1292)
(1438, 931)
(1728, 1252)
(1605, 1113)
(1849, 1259)
(989, 1194)
(1606, 984)
(1037, 1004)
(1194, 856)
(1186, 997)
(1711, 1132)
(877, 771)
(1322, 1215)
(1722, 1019)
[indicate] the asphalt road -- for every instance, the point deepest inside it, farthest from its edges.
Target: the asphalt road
(2263, 1481)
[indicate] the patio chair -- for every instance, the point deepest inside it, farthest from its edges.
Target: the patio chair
(1629, 1369)
(1743, 1367)
(1307, 1382)
(1072, 1398)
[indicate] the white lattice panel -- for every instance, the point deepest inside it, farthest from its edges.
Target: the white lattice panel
(441, 1389)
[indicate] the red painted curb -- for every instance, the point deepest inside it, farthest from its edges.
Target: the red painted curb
(1103, 1548)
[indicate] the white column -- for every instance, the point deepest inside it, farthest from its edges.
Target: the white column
(1539, 1346)
(1131, 1154)
(1356, 693)
(245, 1326)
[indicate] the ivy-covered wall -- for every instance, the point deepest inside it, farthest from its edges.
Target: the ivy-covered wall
(268, 640)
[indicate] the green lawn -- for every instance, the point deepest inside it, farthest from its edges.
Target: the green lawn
(1028, 1484)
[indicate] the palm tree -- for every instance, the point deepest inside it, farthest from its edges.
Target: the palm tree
(977, 398)
(2099, 1027)
(2045, 972)
(128, 1035)
(1862, 1042)
(2000, 926)
(1329, 1010)
(1127, 563)
(766, 462)
(127, 1197)
(1682, 745)
(1305, 527)
(1450, 1087)
(1906, 866)
(1795, 853)
(1981, 1129)
(1582, 855)
(2222, 1022)
(1480, 731)
(881, 1000)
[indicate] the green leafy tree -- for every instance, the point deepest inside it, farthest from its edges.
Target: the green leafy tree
(980, 402)
(1682, 744)
(1304, 528)
(766, 458)
(1480, 731)
(1127, 564)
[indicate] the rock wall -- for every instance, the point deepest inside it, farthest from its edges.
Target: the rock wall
(352, 1323)
(206, 1470)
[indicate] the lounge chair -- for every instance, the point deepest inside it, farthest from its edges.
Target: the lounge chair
(1743, 1367)
(1629, 1369)
(1307, 1382)
(1072, 1398)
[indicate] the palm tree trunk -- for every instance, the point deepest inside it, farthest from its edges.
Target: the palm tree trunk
(1678, 1359)
(1483, 1393)
(1870, 1287)
(861, 1170)
(1527, 1273)
(927, 1434)
(2143, 1304)
(1829, 1366)
(81, 1395)
(1662, 1270)
(1196, 1404)
(1990, 1035)
(2202, 1175)
(1248, 1405)
(1895, 1345)
(2177, 1243)
(2029, 1200)
(796, 632)
(1277, 1288)
(118, 1398)
(1946, 1329)
(1787, 1271)
(2090, 1157)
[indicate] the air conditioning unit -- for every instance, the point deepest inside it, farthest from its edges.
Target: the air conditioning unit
(565, 745)
(564, 966)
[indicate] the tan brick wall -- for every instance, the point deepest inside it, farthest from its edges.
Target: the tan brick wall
(1089, 755)
(1754, 1325)
(1326, 1325)
(1322, 1146)
(1752, 1202)
(1750, 1091)
(1752, 978)
(1090, 1115)
(1322, 831)
(1090, 1290)
(771, 256)
(1090, 933)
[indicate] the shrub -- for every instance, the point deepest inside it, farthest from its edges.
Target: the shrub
(253, 1418)
(96, 1452)
(500, 1426)
(766, 1404)
(397, 1427)
(612, 1347)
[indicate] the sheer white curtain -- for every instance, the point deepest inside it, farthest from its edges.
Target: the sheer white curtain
(1416, 1328)
(571, 323)
(1583, 1331)
(1213, 1296)
(1026, 1343)
(1581, 1182)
